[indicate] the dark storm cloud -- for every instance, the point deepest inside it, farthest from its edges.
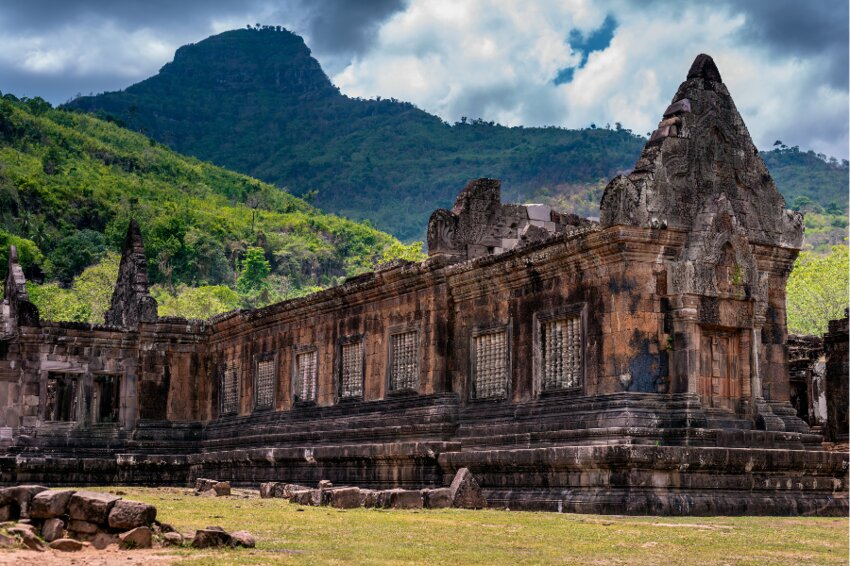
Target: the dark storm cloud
(345, 26)
(792, 27)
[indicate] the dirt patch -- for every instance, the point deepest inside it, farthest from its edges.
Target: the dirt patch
(88, 557)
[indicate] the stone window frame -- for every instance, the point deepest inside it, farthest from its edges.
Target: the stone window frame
(297, 351)
(259, 358)
(223, 368)
(482, 330)
(395, 330)
(541, 318)
(344, 341)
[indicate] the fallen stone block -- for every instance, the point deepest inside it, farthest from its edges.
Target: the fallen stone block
(21, 496)
(127, 515)
(222, 488)
(325, 484)
(172, 539)
(9, 512)
(466, 493)
(400, 499)
(84, 527)
(140, 537)
(53, 529)
(7, 542)
(343, 497)
(243, 538)
(102, 540)
(204, 484)
(439, 498)
(91, 506)
(28, 537)
(210, 537)
(267, 489)
(368, 498)
(50, 503)
(66, 545)
(306, 497)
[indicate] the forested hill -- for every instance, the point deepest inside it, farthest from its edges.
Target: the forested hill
(69, 183)
(255, 100)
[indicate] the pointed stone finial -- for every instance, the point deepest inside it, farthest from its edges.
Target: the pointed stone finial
(131, 301)
(21, 312)
(703, 67)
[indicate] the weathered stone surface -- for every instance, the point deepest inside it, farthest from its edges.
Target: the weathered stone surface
(50, 503)
(91, 506)
(243, 539)
(172, 539)
(21, 497)
(131, 514)
(204, 484)
(368, 498)
(211, 537)
(131, 300)
(140, 537)
(267, 489)
(344, 497)
(465, 491)
(440, 498)
(222, 488)
(52, 529)
(101, 540)
(400, 499)
(7, 541)
(325, 484)
(83, 527)
(66, 545)
(28, 537)
(8, 513)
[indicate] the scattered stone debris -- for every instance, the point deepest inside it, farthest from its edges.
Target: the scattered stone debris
(39, 518)
(464, 493)
(211, 488)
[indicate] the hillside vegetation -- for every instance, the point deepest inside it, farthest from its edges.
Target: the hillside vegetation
(256, 101)
(70, 182)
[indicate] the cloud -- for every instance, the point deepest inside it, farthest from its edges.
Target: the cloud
(568, 63)
(580, 62)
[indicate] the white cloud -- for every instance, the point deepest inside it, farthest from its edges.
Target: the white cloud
(497, 60)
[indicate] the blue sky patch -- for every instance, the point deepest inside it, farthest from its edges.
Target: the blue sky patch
(597, 40)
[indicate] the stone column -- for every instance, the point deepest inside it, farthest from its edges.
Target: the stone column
(685, 355)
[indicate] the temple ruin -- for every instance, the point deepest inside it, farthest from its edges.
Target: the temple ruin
(635, 365)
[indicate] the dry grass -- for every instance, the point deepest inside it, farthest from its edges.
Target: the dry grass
(290, 534)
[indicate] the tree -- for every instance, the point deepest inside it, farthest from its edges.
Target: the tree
(817, 290)
(255, 271)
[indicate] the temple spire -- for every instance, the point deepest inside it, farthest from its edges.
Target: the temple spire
(131, 301)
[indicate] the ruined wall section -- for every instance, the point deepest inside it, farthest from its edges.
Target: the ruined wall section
(837, 370)
(479, 224)
(302, 343)
(131, 302)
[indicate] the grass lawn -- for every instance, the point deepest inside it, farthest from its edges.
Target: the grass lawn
(291, 534)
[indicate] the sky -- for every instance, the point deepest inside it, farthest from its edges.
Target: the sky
(566, 63)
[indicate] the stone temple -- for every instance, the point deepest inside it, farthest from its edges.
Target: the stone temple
(634, 365)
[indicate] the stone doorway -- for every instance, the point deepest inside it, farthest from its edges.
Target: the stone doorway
(107, 398)
(719, 378)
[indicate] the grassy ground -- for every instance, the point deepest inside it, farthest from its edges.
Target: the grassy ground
(290, 534)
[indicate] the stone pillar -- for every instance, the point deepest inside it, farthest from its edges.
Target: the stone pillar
(685, 356)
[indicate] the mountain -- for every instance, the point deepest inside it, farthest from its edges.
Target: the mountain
(70, 182)
(256, 101)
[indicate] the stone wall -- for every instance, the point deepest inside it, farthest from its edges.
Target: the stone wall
(835, 343)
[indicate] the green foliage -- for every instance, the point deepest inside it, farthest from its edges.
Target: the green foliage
(255, 271)
(87, 300)
(817, 290)
(406, 252)
(69, 183)
(382, 160)
(196, 302)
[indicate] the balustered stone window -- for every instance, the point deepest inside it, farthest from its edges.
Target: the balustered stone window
(62, 397)
(230, 387)
(264, 382)
(351, 368)
(305, 380)
(404, 361)
(490, 365)
(561, 347)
